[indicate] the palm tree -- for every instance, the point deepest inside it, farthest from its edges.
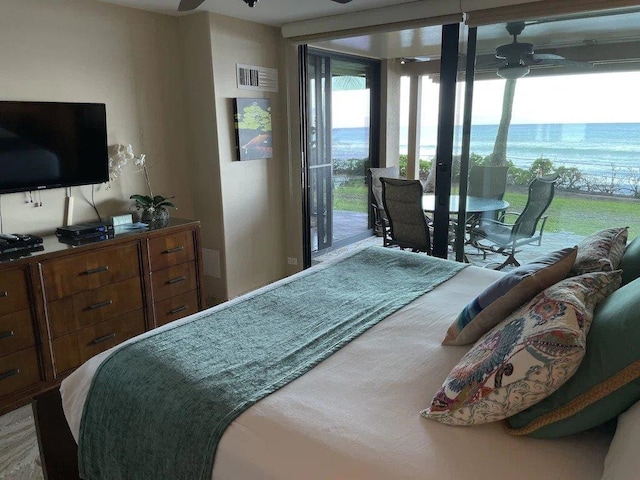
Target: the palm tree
(499, 155)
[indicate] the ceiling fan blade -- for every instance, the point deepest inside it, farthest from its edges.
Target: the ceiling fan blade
(188, 5)
(551, 59)
(547, 56)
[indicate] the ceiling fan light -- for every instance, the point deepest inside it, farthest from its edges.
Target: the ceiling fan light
(513, 72)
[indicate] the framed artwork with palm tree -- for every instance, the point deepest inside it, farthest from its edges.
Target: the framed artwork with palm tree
(253, 128)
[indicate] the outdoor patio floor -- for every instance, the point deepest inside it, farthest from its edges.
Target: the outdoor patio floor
(347, 223)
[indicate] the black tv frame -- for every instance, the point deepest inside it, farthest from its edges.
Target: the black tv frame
(52, 145)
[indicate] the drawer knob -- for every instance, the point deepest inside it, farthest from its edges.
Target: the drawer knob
(103, 339)
(173, 250)
(179, 309)
(97, 270)
(176, 280)
(4, 293)
(9, 374)
(6, 334)
(100, 305)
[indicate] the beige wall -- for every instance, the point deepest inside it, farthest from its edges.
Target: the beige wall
(202, 148)
(85, 51)
(168, 84)
(252, 191)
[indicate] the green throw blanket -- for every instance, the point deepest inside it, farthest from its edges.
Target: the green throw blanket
(158, 407)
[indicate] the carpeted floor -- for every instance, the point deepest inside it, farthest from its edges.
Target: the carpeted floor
(19, 455)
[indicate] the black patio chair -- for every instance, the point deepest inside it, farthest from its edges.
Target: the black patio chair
(379, 215)
(505, 238)
(408, 225)
(487, 182)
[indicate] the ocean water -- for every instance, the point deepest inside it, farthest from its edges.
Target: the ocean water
(593, 147)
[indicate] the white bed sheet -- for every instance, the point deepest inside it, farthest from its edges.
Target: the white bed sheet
(356, 415)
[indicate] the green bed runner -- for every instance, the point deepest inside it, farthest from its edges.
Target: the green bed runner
(158, 407)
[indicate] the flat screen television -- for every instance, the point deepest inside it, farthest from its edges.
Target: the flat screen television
(51, 145)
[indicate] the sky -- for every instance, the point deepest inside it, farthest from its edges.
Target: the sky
(587, 98)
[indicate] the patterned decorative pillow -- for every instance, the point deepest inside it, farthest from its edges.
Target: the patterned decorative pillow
(526, 357)
(601, 251)
(506, 294)
(607, 381)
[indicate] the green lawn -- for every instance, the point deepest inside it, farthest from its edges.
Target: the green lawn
(351, 197)
(583, 215)
(579, 214)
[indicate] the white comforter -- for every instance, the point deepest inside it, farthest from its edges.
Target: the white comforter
(356, 415)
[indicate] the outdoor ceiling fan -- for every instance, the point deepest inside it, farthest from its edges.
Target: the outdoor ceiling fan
(515, 59)
(188, 5)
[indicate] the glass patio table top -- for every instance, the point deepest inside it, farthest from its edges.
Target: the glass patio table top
(474, 204)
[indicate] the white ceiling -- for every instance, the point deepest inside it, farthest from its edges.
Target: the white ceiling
(417, 42)
(268, 12)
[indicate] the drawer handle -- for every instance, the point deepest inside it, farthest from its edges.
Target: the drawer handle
(100, 305)
(176, 280)
(173, 250)
(103, 339)
(6, 334)
(4, 293)
(9, 374)
(97, 270)
(179, 309)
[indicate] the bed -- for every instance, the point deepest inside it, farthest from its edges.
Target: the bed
(356, 415)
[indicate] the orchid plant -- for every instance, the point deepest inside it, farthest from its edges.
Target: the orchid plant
(149, 202)
(119, 156)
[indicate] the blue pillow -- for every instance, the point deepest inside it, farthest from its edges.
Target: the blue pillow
(506, 294)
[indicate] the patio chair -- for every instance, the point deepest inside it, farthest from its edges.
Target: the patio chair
(487, 182)
(408, 225)
(379, 215)
(505, 238)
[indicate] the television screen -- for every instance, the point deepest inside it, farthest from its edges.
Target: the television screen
(52, 144)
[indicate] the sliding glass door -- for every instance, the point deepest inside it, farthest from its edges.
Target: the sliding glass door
(568, 113)
(342, 125)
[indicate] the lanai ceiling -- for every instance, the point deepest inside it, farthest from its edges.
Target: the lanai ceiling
(545, 33)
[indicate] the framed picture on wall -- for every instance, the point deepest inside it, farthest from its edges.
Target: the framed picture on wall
(253, 128)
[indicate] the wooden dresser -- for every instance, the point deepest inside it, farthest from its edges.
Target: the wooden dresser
(63, 305)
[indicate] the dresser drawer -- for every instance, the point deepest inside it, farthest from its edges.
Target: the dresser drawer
(78, 273)
(79, 311)
(172, 281)
(176, 307)
(14, 294)
(73, 349)
(19, 370)
(16, 332)
(170, 250)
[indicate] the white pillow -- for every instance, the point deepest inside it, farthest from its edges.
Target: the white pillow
(622, 461)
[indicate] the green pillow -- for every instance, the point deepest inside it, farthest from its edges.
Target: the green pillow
(630, 263)
(607, 381)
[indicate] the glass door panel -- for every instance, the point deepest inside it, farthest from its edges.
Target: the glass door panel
(341, 147)
(572, 117)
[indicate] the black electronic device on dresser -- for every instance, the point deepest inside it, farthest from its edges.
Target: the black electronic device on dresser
(18, 242)
(83, 233)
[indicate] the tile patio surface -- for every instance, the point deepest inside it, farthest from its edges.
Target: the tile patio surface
(349, 223)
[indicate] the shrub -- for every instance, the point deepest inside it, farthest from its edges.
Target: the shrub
(424, 167)
(351, 166)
